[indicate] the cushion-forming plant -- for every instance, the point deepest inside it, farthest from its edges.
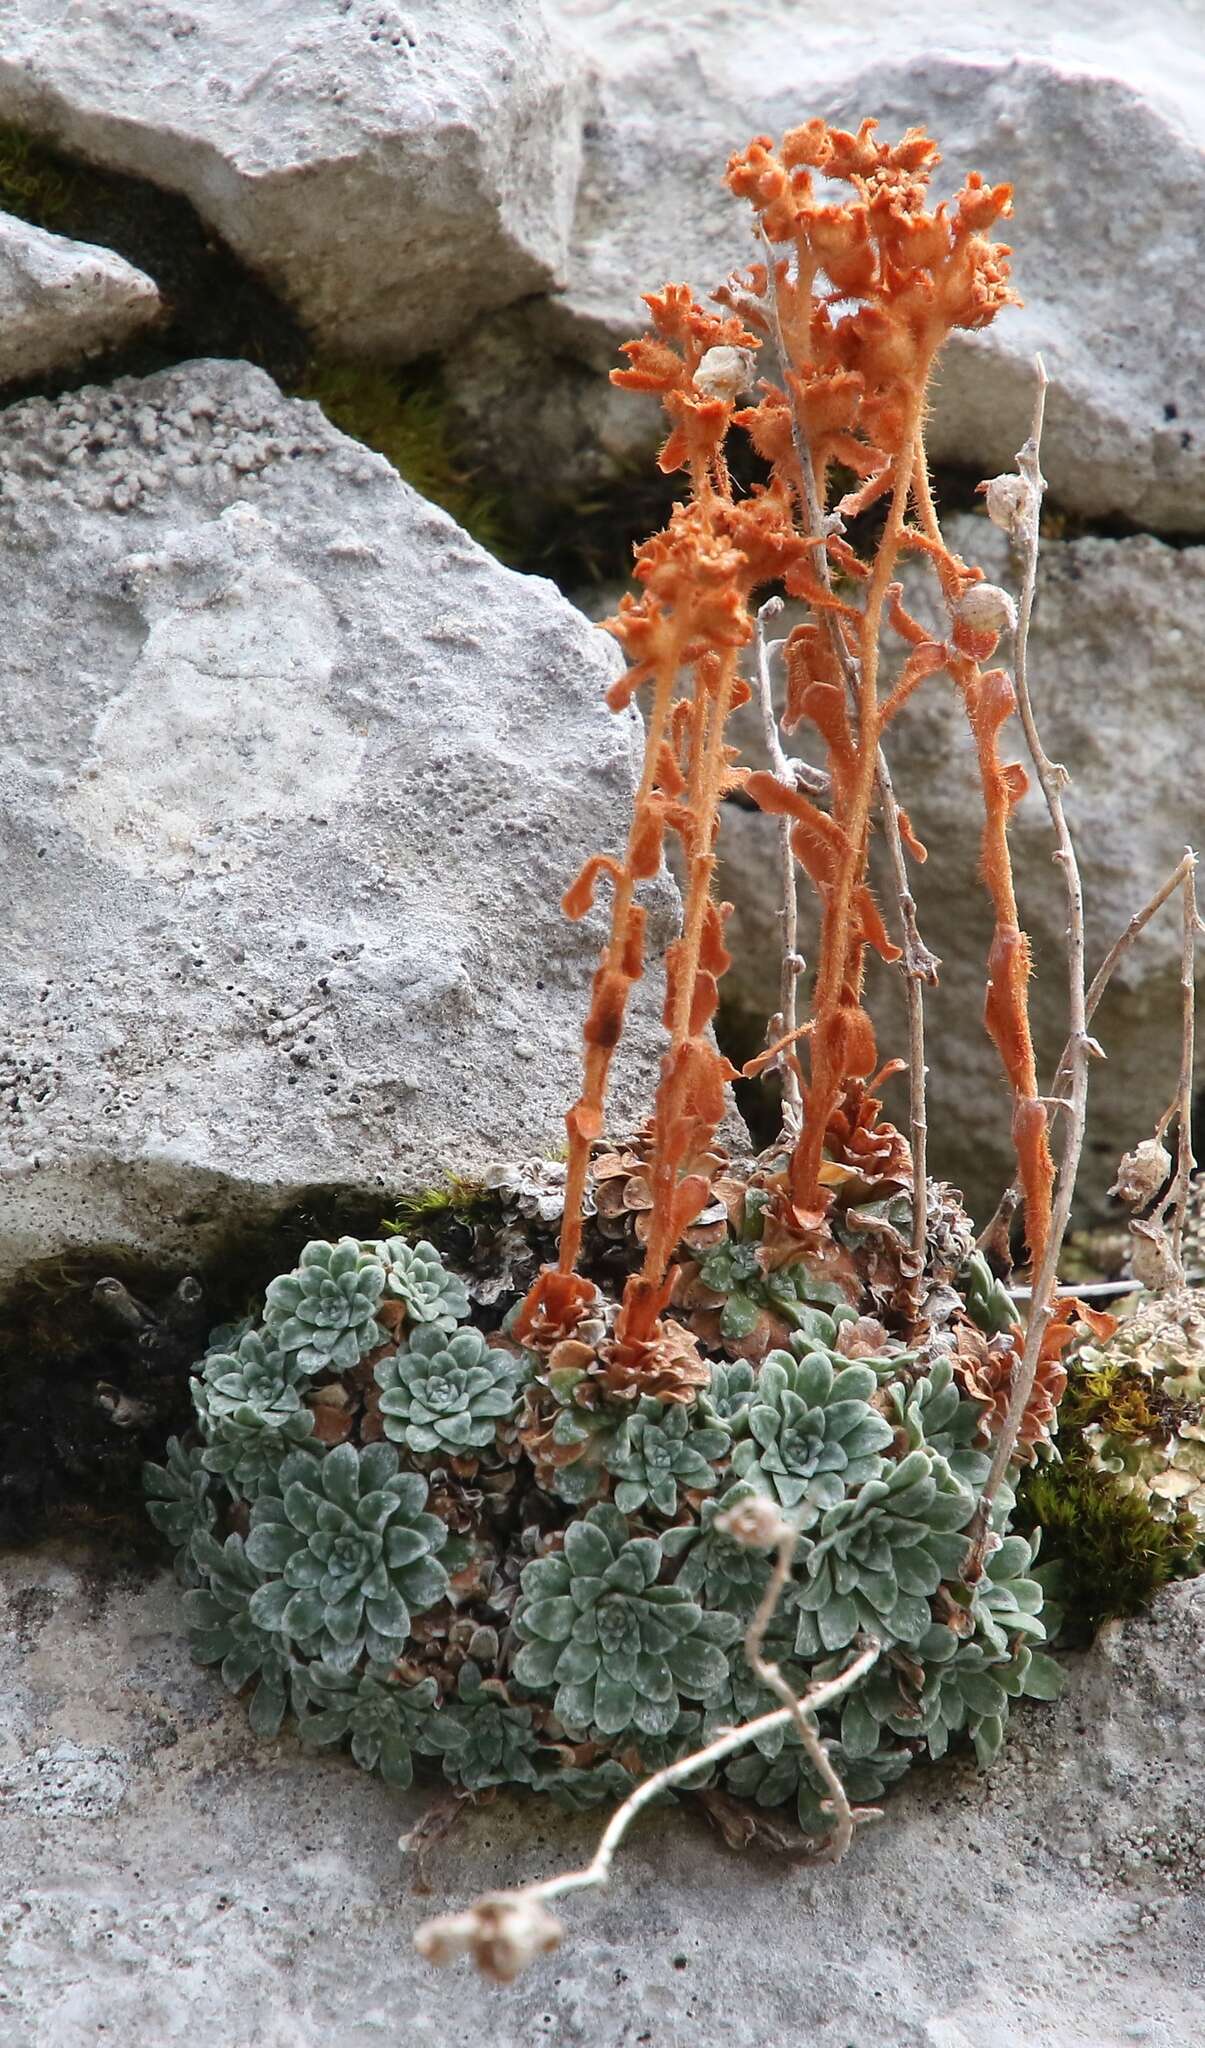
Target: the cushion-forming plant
(758, 1426)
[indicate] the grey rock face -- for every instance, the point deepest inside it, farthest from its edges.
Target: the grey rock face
(60, 300)
(295, 775)
(1116, 654)
(1104, 262)
(242, 1891)
(394, 171)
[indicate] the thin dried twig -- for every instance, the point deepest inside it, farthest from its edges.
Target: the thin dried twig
(1053, 779)
(1141, 918)
(1176, 1198)
(844, 1816)
(1006, 1208)
(918, 965)
(598, 1870)
(434, 1827)
(785, 1026)
(506, 1930)
(1100, 1290)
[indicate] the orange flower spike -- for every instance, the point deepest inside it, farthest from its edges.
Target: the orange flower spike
(652, 366)
(840, 240)
(757, 175)
(981, 205)
(856, 378)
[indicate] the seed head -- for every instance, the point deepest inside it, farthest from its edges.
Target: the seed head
(1008, 499)
(1142, 1173)
(755, 1524)
(503, 1932)
(724, 373)
(985, 608)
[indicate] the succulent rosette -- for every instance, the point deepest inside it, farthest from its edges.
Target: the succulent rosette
(664, 1448)
(499, 1743)
(179, 1499)
(416, 1276)
(383, 1722)
(446, 1394)
(250, 1408)
(616, 1649)
(223, 1632)
(352, 1553)
(813, 1435)
(325, 1310)
(879, 1556)
(715, 1568)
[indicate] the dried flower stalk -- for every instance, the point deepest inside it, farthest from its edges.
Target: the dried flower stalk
(1176, 1198)
(845, 1817)
(784, 1025)
(1047, 1232)
(996, 1231)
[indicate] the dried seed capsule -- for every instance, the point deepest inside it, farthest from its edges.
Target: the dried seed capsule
(985, 608)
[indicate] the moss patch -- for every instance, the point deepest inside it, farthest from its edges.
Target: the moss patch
(401, 414)
(36, 184)
(1113, 1554)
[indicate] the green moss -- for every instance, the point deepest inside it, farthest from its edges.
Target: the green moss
(1113, 1553)
(35, 183)
(457, 1200)
(1109, 1396)
(401, 414)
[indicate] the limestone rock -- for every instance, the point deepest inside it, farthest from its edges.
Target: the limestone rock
(295, 775)
(60, 300)
(1053, 100)
(1116, 654)
(393, 171)
(167, 1877)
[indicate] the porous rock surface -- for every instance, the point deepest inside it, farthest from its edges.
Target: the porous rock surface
(60, 300)
(295, 775)
(1095, 113)
(166, 1877)
(393, 170)
(1117, 648)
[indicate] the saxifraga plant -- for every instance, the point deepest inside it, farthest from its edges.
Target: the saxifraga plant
(724, 1502)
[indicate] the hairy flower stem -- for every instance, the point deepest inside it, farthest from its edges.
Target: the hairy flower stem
(839, 976)
(1053, 780)
(584, 1120)
(1008, 974)
(919, 964)
(715, 685)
